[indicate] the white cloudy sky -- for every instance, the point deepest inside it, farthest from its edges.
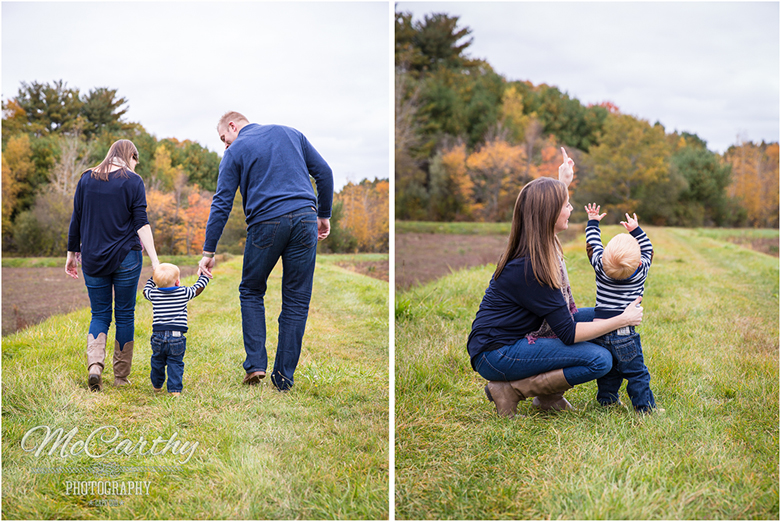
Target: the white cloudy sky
(710, 68)
(322, 67)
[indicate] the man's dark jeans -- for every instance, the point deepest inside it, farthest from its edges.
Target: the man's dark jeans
(292, 237)
(628, 363)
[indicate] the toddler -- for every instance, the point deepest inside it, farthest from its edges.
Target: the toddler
(169, 301)
(621, 269)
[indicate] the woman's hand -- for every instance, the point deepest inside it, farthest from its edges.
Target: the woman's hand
(593, 212)
(633, 313)
(72, 265)
(566, 170)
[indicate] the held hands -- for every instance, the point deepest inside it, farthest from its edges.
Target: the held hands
(566, 170)
(205, 265)
(593, 212)
(630, 224)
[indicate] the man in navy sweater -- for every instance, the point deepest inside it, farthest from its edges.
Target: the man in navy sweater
(271, 165)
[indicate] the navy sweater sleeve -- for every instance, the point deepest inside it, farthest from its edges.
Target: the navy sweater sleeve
(222, 202)
(323, 177)
(74, 231)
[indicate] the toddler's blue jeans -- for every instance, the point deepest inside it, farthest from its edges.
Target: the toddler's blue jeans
(168, 349)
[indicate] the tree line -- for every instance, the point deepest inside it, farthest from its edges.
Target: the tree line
(467, 139)
(52, 133)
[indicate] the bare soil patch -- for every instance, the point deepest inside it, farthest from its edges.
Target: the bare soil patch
(422, 257)
(375, 269)
(764, 245)
(31, 295)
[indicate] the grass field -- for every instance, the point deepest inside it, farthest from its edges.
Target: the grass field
(710, 339)
(317, 452)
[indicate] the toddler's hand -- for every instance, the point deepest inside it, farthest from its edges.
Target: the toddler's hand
(593, 212)
(630, 224)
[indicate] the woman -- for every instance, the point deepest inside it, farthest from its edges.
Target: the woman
(528, 339)
(107, 229)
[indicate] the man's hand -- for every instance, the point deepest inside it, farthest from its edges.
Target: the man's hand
(205, 265)
(630, 224)
(323, 228)
(566, 170)
(593, 212)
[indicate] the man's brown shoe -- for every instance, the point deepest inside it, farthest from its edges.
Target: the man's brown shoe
(253, 378)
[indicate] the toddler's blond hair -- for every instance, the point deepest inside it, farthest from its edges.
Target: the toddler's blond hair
(621, 256)
(166, 275)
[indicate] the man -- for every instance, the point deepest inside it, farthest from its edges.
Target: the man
(271, 165)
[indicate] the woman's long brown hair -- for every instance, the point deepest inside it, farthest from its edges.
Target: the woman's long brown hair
(123, 149)
(537, 208)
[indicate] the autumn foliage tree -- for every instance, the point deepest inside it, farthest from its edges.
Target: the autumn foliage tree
(755, 181)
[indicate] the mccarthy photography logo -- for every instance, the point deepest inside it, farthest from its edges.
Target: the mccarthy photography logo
(102, 442)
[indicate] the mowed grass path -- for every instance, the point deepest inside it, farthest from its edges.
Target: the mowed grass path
(710, 340)
(317, 452)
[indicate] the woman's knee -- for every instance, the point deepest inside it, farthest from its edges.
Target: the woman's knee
(602, 362)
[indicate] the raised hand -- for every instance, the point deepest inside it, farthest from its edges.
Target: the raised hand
(630, 224)
(566, 170)
(593, 212)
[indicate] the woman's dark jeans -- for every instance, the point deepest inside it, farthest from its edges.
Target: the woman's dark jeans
(581, 362)
(117, 290)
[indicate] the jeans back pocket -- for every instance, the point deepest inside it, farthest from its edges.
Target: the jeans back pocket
(625, 348)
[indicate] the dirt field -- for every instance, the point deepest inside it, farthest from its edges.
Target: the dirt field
(30, 295)
(422, 257)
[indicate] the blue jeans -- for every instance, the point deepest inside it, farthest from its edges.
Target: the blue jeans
(581, 362)
(627, 363)
(121, 287)
(292, 237)
(168, 349)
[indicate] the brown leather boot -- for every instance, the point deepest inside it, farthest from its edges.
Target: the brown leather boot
(506, 395)
(554, 401)
(123, 362)
(96, 356)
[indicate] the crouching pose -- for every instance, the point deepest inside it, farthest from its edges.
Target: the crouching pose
(528, 338)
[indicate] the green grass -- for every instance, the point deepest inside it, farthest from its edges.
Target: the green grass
(317, 452)
(457, 228)
(710, 339)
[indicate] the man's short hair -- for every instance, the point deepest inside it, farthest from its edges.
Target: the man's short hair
(230, 116)
(166, 275)
(621, 257)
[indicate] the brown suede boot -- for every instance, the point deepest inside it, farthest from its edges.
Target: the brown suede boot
(551, 402)
(123, 362)
(506, 395)
(96, 356)
(554, 401)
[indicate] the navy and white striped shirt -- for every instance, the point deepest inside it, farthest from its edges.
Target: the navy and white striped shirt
(170, 304)
(614, 295)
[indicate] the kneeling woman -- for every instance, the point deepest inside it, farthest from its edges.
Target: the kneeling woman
(528, 338)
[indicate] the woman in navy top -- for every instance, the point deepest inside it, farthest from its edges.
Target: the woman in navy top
(528, 338)
(107, 229)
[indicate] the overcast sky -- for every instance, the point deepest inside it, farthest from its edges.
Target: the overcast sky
(709, 68)
(323, 67)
